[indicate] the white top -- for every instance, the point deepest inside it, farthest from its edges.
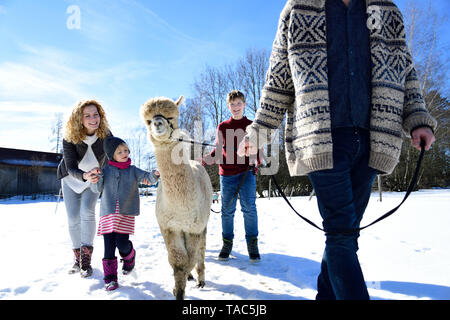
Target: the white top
(86, 164)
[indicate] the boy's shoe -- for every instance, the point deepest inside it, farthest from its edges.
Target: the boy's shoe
(110, 274)
(226, 249)
(128, 261)
(253, 252)
(86, 255)
(76, 266)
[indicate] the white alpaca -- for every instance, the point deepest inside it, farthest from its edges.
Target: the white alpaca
(184, 195)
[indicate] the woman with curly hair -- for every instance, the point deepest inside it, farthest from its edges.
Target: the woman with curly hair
(83, 153)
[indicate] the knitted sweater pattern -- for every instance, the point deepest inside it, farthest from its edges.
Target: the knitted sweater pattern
(297, 85)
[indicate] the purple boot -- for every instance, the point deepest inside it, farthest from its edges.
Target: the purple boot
(128, 260)
(110, 272)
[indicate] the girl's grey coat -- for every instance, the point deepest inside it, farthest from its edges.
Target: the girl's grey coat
(121, 184)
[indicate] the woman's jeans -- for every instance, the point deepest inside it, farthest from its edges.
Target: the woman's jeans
(342, 195)
(80, 209)
(247, 197)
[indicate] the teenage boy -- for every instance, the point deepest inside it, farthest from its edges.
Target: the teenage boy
(233, 170)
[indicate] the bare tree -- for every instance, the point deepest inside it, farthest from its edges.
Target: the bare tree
(251, 71)
(56, 135)
(246, 75)
(191, 113)
(212, 86)
(140, 150)
(423, 25)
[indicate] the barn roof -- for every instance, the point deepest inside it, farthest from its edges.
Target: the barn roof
(18, 157)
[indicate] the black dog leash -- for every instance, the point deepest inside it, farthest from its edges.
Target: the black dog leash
(411, 187)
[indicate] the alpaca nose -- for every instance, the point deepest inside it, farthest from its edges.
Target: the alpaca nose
(158, 122)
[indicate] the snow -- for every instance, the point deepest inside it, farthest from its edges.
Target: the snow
(405, 256)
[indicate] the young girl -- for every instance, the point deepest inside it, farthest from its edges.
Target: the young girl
(119, 206)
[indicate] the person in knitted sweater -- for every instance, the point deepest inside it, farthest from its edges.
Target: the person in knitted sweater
(343, 74)
(118, 183)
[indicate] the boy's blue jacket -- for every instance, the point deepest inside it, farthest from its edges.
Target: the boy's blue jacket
(121, 184)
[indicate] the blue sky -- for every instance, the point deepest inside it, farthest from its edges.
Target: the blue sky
(125, 52)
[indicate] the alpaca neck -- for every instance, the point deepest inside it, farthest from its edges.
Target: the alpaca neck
(174, 174)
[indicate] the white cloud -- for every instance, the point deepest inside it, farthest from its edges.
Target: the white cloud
(45, 80)
(27, 124)
(42, 74)
(159, 23)
(30, 109)
(104, 21)
(54, 76)
(19, 81)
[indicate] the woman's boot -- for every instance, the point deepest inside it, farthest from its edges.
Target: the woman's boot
(76, 266)
(86, 255)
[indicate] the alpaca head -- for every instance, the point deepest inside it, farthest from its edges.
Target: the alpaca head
(160, 116)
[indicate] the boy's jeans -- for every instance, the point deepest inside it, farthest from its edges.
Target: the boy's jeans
(342, 195)
(247, 197)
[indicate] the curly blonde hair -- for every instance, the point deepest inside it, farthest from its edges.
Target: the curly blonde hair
(75, 131)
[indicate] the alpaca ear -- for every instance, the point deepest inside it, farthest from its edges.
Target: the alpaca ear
(180, 101)
(143, 111)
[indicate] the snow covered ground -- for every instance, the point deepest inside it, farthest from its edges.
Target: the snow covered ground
(403, 257)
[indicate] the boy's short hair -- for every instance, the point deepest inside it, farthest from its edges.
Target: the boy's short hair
(235, 94)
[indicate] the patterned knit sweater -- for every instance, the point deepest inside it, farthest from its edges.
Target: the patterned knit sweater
(297, 84)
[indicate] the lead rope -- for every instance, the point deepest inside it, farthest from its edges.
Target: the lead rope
(247, 169)
(411, 187)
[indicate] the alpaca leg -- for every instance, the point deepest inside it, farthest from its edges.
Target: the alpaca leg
(180, 276)
(178, 259)
(195, 245)
(200, 267)
(192, 246)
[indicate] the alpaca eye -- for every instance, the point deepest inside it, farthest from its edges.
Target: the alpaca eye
(149, 122)
(170, 119)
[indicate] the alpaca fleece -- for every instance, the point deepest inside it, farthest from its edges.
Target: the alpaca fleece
(184, 195)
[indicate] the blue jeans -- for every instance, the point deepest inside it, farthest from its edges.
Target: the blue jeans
(342, 196)
(80, 209)
(247, 197)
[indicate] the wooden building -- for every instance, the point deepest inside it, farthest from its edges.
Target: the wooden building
(24, 172)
